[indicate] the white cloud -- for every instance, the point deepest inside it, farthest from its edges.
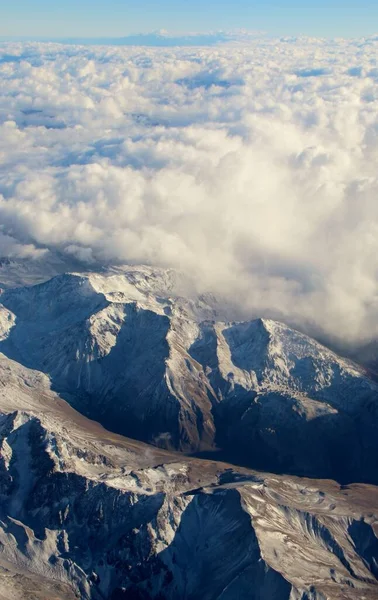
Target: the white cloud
(250, 167)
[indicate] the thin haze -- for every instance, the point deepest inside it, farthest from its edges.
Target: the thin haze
(251, 167)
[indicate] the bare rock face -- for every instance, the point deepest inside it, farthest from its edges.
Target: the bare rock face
(127, 349)
(88, 514)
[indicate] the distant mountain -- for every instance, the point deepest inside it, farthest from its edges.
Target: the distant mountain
(367, 354)
(131, 349)
(154, 38)
(19, 272)
(159, 38)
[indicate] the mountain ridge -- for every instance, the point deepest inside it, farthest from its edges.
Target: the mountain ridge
(88, 513)
(100, 516)
(167, 369)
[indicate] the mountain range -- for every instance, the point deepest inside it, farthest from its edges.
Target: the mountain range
(238, 459)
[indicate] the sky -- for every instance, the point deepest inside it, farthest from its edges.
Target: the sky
(115, 18)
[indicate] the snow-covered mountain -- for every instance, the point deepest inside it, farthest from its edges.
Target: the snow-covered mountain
(88, 514)
(131, 349)
(18, 272)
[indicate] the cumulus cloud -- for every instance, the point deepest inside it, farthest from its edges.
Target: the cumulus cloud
(250, 167)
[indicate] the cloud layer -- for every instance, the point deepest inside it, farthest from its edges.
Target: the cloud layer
(251, 167)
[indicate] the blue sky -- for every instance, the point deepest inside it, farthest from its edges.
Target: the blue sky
(61, 18)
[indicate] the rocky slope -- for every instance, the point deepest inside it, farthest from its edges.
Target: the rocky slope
(88, 514)
(129, 349)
